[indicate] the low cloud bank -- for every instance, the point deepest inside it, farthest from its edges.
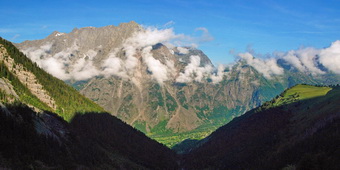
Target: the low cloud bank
(56, 64)
(268, 67)
(138, 45)
(308, 60)
(330, 57)
(138, 53)
(193, 72)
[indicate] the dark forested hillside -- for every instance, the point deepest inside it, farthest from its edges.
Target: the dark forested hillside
(93, 140)
(298, 129)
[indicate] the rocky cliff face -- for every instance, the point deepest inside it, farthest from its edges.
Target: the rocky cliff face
(157, 88)
(87, 42)
(27, 78)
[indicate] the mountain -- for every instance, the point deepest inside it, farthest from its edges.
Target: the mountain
(170, 93)
(299, 129)
(46, 124)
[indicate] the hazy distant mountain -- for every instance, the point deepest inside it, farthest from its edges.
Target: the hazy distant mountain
(164, 90)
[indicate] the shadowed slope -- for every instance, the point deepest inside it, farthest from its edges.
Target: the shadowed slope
(90, 141)
(296, 133)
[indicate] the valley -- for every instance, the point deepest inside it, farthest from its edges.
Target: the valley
(298, 128)
(169, 93)
(170, 85)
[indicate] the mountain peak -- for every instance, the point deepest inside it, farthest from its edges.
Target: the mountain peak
(131, 24)
(56, 34)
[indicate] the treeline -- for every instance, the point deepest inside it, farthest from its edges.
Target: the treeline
(319, 85)
(68, 100)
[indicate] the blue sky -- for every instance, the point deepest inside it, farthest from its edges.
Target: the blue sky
(236, 25)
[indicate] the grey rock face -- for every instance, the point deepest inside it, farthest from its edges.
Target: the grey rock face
(100, 40)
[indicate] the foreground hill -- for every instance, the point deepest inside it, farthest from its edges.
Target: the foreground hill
(170, 93)
(31, 140)
(298, 129)
(45, 124)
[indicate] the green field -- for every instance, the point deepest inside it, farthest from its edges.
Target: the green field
(167, 137)
(307, 91)
(171, 139)
(298, 93)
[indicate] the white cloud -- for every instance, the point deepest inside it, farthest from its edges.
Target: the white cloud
(293, 59)
(183, 50)
(150, 36)
(268, 67)
(206, 37)
(83, 69)
(304, 60)
(80, 69)
(158, 70)
(218, 76)
(193, 71)
(308, 58)
(330, 57)
(55, 67)
(113, 66)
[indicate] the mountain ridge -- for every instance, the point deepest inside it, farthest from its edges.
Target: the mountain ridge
(162, 89)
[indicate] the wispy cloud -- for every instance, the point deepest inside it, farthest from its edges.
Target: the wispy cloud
(44, 27)
(286, 11)
(169, 24)
(302, 32)
(6, 30)
(305, 59)
(15, 37)
(206, 36)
